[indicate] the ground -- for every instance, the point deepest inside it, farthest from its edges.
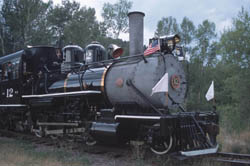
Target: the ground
(16, 152)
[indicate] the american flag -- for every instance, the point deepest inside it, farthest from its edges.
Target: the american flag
(153, 47)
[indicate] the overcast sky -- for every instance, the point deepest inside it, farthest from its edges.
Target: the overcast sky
(220, 12)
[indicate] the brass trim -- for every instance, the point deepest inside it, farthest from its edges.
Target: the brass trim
(65, 83)
(84, 85)
(103, 78)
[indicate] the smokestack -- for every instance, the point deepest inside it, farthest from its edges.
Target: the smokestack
(136, 32)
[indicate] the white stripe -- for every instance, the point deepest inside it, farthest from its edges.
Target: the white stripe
(62, 94)
(137, 117)
(150, 51)
(13, 105)
(200, 152)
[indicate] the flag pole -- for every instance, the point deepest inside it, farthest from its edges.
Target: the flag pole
(167, 86)
(167, 99)
(214, 105)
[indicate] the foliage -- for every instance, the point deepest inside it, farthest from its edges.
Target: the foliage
(115, 16)
(34, 22)
(22, 153)
(224, 59)
(235, 41)
(235, 52)
(71, 23)
(200, 68)
(187, 32)
(167, 26)
(20, 20)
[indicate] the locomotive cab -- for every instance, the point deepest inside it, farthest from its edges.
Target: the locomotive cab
(22, 72)
(39, 59)
(38, 63)
(10, 76)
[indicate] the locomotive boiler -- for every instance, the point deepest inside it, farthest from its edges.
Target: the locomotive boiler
(102, 97)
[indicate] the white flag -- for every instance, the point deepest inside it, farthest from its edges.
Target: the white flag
(210, 92)
(162, 85)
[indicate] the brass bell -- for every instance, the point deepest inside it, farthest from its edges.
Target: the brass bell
(115, 51)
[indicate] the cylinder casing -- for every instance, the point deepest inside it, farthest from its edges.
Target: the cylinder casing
(145, 76)
(112, 81)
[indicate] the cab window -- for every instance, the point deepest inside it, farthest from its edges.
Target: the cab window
(73, 55)
(10, 70)
(89, 56)
(4, 73)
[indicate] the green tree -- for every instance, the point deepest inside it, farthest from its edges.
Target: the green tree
(115, 17)
(2, 35)
(187, 31)
(71, 23)
(200, 71)
(82, 28)
(22, 19)
(235, 41)
(167, 26)
(59, 17)
(235, 51)
(204, 35)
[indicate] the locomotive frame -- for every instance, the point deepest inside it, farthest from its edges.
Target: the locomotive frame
(107, 100)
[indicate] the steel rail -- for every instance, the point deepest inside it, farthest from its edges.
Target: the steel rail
(232, 158)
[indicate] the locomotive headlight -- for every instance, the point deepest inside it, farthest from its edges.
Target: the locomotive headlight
(169, 42)
(172, 40)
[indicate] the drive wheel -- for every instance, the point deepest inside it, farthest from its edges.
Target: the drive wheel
(89, 140)
(161, 146)
(38, 132)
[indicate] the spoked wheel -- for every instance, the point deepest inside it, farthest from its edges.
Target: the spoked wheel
(38, 132)
(89, 140)
(161, 146)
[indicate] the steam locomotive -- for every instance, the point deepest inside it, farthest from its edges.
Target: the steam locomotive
(102, 97)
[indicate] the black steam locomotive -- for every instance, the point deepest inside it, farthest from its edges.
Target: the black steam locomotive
(102, 97)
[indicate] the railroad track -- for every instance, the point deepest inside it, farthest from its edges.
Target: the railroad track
(222, 157)
(231, 158)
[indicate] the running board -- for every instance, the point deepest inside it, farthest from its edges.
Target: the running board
(56, 124)
(66, 94)
(12, 105)
(60, 131)
(200, 152)
(67, 131)
(137, 117)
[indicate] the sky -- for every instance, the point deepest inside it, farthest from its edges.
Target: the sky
(220, 12)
